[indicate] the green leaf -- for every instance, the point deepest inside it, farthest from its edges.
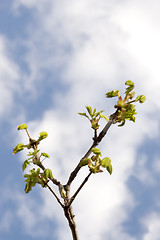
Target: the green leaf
(96, 151)
(25, 164)
(131, 95)
(105, 117)
(130, 85)
(22, 126)
(43, 135)
(45, 155)
(89, 109)
(28, 187)
(48, 173)
(140, 98)
(112, 93)
(31, 179)
(109, 169)
(38, 171)
(18, 148)
(94, 111)
(105, 162)
(26, 176)
(84, 162)
(84, 114)
(98, 113)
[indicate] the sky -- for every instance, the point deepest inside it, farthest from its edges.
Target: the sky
(56, 57)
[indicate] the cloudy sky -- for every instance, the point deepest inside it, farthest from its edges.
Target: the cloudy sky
(55, 58)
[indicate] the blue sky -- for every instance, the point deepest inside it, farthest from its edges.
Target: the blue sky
(56, 57)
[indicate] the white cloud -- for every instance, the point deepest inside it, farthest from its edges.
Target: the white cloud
(9, 75)
(138, 20)
(152, 223)
(156, 164)
(6, 221)
(34, 214)
(99, 44)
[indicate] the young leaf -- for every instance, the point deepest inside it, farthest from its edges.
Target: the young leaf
(94, 111)
(38, 171)
(48, 173)
(43, 135)
(112, 93)
(89, 109)
(84, 114)
(45, 155)
(22, 126)
(131, 95)
(105, 117)
(28, 187)
(109, 169)
(84, 162)
(130, 86)
(18, 148)
(98, 113)
(129, 83)
(25, 164)
(96, 151)
(105, 162)
(140, 98)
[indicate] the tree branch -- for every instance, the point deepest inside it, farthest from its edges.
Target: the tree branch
(96, 141)
(70, 217)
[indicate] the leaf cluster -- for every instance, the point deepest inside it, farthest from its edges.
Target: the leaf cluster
(94, 116)
(125, 108)
(36, 176)
(34, 157)
(32, 142)
(95, 162)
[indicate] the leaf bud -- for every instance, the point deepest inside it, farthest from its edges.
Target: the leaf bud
(42, 136)
(96, 151)
(112, 93)
(22, 126)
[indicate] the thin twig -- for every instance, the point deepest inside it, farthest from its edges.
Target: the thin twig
(78, 190)
(28, 133)
(55, 195)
